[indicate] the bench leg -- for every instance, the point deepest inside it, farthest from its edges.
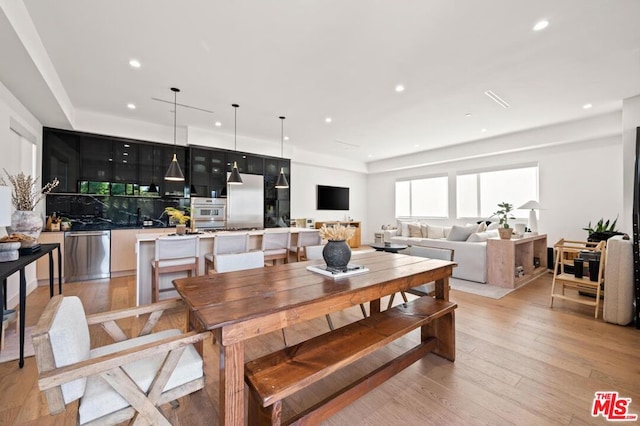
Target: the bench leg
(259, 415)
(444, 330)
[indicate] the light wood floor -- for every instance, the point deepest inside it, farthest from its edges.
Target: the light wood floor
(518, 362)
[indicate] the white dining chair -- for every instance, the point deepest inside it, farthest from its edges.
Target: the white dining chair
(173, 254)
(275, 245)
(306, 239)
(225, 244)
(239, 261)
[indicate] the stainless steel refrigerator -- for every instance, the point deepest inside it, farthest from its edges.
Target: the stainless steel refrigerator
(245, 203)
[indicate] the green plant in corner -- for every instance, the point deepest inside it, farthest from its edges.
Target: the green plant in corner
(503, 213)
(602, 226)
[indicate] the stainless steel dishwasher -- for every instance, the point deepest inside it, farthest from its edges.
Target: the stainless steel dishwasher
(87, 255)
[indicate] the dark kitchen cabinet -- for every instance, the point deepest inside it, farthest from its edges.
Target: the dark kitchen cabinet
(277, 204)
(151, 168)
(207, 169)
(96, 158)
(61, 159)
(125, 162)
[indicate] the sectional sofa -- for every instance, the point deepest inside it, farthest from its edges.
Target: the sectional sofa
(469, 243)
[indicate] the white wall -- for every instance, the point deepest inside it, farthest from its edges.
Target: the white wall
(631, 121)
(305, 177)
(13, 113)
(579, 182)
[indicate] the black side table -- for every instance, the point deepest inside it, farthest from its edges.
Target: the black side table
(9, 268)
(389, 248)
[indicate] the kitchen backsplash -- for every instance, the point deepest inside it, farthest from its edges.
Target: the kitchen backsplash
(89, 212)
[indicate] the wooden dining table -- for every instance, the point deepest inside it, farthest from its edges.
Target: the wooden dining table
(237, 306)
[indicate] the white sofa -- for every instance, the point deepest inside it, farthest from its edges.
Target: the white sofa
(471, 256)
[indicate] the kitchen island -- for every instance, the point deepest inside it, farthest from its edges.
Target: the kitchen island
(145, 252)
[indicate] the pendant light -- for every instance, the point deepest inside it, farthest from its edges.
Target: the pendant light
(234, 177)
(174, 173)
(282, 183)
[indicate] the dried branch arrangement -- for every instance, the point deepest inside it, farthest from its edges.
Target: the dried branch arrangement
(25, 194)
(337, 232)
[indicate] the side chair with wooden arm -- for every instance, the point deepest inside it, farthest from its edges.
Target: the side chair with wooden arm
(128, 379)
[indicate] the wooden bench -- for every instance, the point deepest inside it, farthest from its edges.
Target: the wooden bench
(276, 376)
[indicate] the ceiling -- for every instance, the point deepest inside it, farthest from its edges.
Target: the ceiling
(309, 60)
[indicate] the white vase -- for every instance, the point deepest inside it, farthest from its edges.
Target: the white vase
(26, 222)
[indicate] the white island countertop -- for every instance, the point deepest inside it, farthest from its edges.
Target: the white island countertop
(145, 252)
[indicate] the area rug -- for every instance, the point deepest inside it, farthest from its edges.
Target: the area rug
(11, 349)
(484, 290)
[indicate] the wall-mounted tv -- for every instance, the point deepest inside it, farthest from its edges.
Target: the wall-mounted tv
(332, 198)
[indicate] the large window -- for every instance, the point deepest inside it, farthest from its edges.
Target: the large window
(427, 197)
(478, 194)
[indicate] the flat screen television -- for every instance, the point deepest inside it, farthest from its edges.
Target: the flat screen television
(332, 198)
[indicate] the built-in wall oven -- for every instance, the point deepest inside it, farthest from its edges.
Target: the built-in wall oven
(208, 213)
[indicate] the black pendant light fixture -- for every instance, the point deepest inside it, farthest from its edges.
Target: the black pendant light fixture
(234, 177)
(174, 173)
(282, 183)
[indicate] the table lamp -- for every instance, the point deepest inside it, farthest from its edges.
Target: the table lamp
(532, 206)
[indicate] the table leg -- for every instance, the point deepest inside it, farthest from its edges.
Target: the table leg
(50, 274)
(3, 301)
(232, 384)
(374, 307)
(59, 270)
(442, 288)
(23, 314)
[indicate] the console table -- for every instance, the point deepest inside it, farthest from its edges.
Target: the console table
(354, 242)
(504, 256)
(9, 268)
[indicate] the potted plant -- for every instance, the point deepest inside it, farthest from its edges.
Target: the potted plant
(602, 231)
(336, 252)
(24, 197)
(503, 214)
(178, 217)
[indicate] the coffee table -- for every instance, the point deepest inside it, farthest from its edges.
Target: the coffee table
(389, 248)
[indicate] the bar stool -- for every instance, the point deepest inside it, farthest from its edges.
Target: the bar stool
(306, 239)
(226, 244)
(173, 254)
(239, 261)
(275, 245)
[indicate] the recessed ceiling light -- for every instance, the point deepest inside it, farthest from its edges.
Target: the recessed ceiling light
(286, 138)
(483, 130)
(327, 120)
(587, 106)
(134, 63)
(218, 124)
(399, 88)
(370, 155)
(125, 153)
(416, 145)
(541, 25)
(131, 106)
(468, 115)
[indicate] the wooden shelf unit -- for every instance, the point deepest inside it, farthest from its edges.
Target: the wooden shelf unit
(565, 252)
(354, 242)
(504, 256)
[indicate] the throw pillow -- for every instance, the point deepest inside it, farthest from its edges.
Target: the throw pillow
(447, 229)
(478, 237)
(461, 233)
(414, 231)
(404, 227)
(493, 225)
(435, 231)
(482, 227)
(424, 230)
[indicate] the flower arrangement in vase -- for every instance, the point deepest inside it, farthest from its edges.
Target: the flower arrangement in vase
(336, 252)
(178, 217)
(25, 195)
